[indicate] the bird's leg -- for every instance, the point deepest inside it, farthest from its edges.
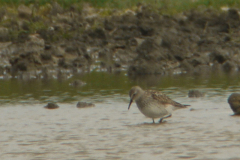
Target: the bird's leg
(153, 120)
(161, 119)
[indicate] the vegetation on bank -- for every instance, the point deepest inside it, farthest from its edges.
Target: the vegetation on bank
(166, 6)
(13, 26)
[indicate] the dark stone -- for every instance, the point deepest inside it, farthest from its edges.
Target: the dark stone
(4, 35)
(98, 33)
(120, 46)
(87, 56)
(23, 36)
(79, 62)
(46, 56)
(85, 105)
(47, 47)
(146, 30)
(70, 49)
(195, 94)
(117, 65)
(228, 66)
(186, 66)
(24, 55)
(25, 26)
(13, 60)
(63, 63)
(197, 61)
(46, 74)
(21, 66)
(165, 43)
(145, 68)
(108, 25)
(57, 28)
(233, 14)
(179, 57)
(147, 46)
(133, 42)
(218, 56)
(24, 11)
(234, 102)
(37, 18)
(102, 54)
(3, 11)
(51, 106)
(47, 34)
(200, 23)
(226, 39)
(224, 27)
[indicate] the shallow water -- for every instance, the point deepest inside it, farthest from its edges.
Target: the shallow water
(205, 130)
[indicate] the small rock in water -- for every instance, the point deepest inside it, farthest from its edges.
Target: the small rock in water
(77, 83)
(195, 94)
(234, 102)
(51, 106)
(84, 105)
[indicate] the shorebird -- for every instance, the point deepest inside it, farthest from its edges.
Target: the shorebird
(153, 104)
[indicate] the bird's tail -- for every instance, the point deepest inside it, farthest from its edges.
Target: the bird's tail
(179, 105)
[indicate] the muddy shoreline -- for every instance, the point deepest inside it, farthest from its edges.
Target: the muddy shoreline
(139, 41)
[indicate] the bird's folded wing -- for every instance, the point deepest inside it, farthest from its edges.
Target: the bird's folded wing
(162, 98)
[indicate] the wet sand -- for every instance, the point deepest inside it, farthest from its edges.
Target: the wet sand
(206, 130)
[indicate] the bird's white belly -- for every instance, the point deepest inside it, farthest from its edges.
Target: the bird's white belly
(154, 111)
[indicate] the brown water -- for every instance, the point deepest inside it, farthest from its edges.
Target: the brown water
(206, 130)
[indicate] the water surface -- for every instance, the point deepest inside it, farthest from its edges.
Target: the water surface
(205, 130)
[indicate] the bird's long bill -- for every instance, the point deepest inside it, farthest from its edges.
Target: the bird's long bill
(130, 103)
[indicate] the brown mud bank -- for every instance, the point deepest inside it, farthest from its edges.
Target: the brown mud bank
(140, 41)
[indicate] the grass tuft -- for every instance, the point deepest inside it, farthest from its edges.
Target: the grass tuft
(173, 6)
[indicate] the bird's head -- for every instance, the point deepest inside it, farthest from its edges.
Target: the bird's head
(135, 93)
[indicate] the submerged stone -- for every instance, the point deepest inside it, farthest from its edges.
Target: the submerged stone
(85, 105)
(195, 94)
(77, 83)
(234, 102)
(51, 106)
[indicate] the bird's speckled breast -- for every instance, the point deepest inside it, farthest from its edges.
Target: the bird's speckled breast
(151, 108)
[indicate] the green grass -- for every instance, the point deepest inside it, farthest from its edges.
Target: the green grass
(168, 6)
(42, 9)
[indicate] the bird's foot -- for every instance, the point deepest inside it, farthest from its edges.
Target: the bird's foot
(161, 119)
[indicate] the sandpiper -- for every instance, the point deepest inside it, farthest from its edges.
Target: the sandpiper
(153, 104)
